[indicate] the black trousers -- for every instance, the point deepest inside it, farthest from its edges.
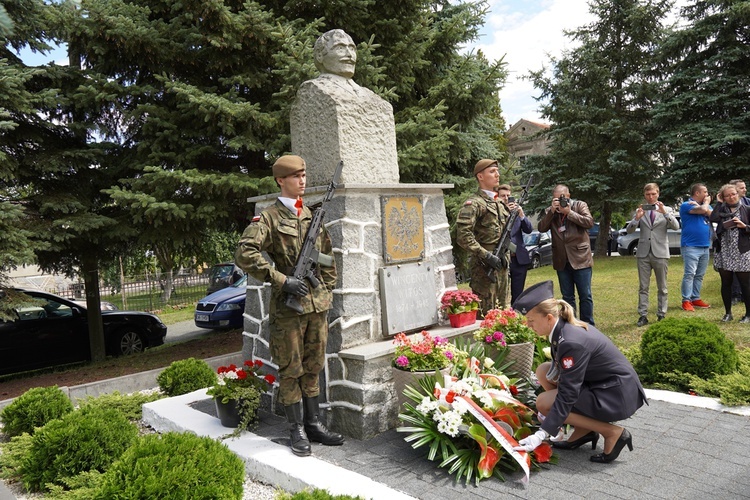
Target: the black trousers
(517, 278)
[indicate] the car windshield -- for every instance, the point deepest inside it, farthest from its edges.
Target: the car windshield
(219, 272)
(531, 239)
(241, 282)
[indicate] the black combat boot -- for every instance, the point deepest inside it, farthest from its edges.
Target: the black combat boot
(314, 428)
(300, 443)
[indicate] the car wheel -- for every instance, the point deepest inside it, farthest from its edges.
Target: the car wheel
(633, 249)
(536, 262)
(128, 342)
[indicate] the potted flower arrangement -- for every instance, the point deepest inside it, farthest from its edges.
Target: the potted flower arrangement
(504, 331)
(419, 356)
(237, 394)
(460, 306)
(470, 423)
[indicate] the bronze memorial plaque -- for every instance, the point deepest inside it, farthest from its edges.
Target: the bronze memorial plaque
(403, 228)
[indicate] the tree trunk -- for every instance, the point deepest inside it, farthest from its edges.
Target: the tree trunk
(602, 241)
(167, 285)
(93, 304)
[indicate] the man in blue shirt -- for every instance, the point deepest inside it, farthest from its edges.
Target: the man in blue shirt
(694, 244)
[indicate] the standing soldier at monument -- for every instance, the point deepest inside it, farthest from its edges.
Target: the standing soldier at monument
(479, 225)
(298, 341)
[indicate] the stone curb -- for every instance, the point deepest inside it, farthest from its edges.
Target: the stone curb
(131, 383)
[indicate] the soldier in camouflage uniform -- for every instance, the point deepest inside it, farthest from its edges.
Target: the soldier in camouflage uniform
(479, 225)
(298, 341)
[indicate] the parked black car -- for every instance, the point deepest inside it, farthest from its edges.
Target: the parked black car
(54, 331)
(539, 246)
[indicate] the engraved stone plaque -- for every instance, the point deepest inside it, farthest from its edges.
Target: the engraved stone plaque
(408, 298)
(403, 228)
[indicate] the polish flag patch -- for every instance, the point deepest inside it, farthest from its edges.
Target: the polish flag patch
(256, 218)
(568, 363)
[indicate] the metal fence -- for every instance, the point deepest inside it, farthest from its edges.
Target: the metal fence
(147, 292)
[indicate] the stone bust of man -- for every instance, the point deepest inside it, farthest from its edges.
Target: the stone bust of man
(333, 118)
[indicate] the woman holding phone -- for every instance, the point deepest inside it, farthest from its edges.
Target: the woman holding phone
(732, 247)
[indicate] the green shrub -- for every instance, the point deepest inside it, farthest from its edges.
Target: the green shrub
(85, 440)
(175, 465)
(129, 405)
(12, 454)
(34, 408)
(186, 375)
(316, 494)
(732, 389)
(686, 345)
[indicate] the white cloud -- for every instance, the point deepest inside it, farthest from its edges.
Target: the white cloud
(527, 33)
(527, 40)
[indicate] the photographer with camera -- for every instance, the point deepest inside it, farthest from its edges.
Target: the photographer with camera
(653, 219)
(732, 247)
(569, 221)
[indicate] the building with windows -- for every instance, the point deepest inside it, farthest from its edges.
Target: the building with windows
(527, 138)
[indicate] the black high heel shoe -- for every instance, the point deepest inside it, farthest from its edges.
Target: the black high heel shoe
(592, 437)
(624, 439)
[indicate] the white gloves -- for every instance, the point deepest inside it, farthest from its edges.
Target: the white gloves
(530, 443)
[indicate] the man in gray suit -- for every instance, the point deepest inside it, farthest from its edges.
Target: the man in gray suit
(653, 219)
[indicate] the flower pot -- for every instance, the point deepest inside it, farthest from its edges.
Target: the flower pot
(402, 378)
(521, 356)
(228, 412)
(463, 319)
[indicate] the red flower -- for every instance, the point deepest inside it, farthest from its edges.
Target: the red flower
(232, 367)
(543, 453)
(221, 369)
(248, 363)
(258, 363)
(450, 397)
(514, 390)
(241, 374)
(269, 378)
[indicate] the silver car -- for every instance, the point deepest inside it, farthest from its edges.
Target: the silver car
(627, 244)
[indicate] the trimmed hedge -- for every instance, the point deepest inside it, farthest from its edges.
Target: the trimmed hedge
(186, 375)
(685, 345)
(34, 408)
(175, 466)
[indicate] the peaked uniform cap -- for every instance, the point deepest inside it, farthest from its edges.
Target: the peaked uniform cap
(483, 164)
(288, 165)
(532, 296)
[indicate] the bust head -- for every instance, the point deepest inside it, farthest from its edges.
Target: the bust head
(335, 53)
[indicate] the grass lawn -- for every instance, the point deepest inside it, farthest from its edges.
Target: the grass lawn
(615, 290)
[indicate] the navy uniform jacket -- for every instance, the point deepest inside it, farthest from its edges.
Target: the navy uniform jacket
(596, 380)
(516, 236)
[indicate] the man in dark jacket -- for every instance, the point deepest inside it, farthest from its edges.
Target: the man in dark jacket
(519, 257)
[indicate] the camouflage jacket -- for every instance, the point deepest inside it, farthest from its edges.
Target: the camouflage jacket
(281, 234)
(479, 224)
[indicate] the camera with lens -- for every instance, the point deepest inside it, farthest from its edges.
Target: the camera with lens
(563, 201)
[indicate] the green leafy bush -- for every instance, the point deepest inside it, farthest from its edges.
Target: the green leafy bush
(186, 375)
(130, 405)
(732, 389)
(84, 440)
(686, 345)
(175, 466)
(34, 408)
(316, 494)
(12, 454)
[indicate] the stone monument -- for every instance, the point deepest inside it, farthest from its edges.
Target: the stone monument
(333, 118)
(391, 242)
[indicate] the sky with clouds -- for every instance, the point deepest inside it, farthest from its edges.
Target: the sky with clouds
(527, 33)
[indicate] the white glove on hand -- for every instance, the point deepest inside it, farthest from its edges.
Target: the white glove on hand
(530, 443)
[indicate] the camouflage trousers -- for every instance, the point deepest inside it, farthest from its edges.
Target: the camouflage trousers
(298, 347)
(493, 295)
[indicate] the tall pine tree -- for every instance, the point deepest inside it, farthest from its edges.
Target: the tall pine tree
(703, 121)
(598, 98)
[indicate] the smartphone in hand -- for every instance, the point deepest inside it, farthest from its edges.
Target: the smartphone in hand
(647, 206)
(729, 224)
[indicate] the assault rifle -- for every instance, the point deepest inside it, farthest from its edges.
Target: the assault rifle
(504, 244)
(309, 257)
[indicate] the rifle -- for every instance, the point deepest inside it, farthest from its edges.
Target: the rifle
(504, 244)
(309, 257)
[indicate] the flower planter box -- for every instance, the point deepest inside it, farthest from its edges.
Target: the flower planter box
(402, 378)
(462, 319)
